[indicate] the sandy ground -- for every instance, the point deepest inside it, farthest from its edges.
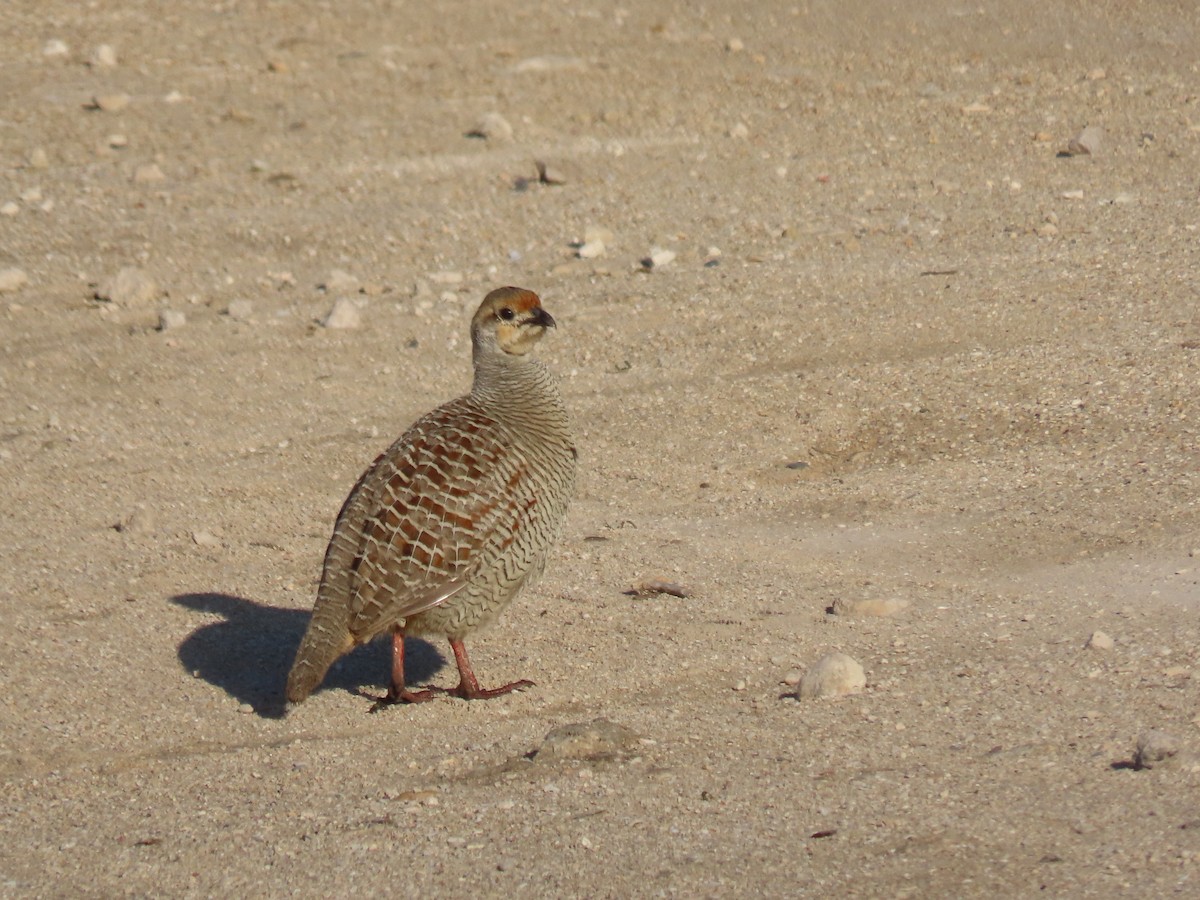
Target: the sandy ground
(906, 352)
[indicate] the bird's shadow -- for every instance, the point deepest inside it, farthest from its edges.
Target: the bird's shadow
(249, 653)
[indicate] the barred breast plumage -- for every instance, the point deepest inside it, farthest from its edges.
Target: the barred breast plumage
(453, 519)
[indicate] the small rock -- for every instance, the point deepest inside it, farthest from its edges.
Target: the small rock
(140, 521)
(1087, 142)
(833, 675)
(597, 233)
(976, 108)
(344, 314)
(446, 277)
(103, 57)
(493, 127)
(882, 609)
(1097, 74)
(148, 173)
(240, 310)
(792, 677)
(551, 64)
(9, 209)
(129, 287)
(38, 159)
(54, 48)
(1155, 748)
(204, 538)
(658, 258)
(340, 282)
(591, 249)
(1072, 195)
(549, 174)
(735, 45)
(740, 131)
(12, 280)
(1099, 641)
(169, 319)
(587, 740)
(117, 141)
(110, 102)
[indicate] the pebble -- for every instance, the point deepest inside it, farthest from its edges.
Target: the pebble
(446, 277)
(549, 173)
(110, 102)
(117, 141)
(343, 314)
(658, 258)
(591, 249)
(881, 609)
(104, 56)
(740, 131)
(149, 173)
(1099, 641)
(9, 209)
(170, 319)
(240, 310)
(551, 64)
(1154, 748)
(1072, 195)
(598, 739)
(792, 677)
(340, 282)
(735, 45)
(1087, 142)
(38, 159)
(129, 287)
(140, 521)
(12, 280)
(55, 48)
(204, 538)
(493, 127)
(833, 675)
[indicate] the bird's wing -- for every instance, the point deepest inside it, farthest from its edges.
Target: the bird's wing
(434, 509)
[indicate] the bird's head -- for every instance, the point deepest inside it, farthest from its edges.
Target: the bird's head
(510, 320)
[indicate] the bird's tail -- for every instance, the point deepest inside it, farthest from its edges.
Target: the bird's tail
(326, 639)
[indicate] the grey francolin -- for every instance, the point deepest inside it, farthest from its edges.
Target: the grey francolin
(448, 524)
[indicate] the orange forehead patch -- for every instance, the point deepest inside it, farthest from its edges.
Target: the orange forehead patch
(520, 299)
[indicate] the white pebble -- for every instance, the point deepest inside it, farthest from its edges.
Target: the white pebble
(735, 45)
(38, 159)
(591, 249)
(55, 48)
(9, 209)
(129, 287)
(1087, 142)
(340, 282)
(882, 608)
(204, 538)
(493, 127)
(1099, 641)
(658, 258)
(148, 173)
(104, 56)
(1154, 748)
(169, 319)
(344, 314)
(111, 102)
(12, 280)
(240, 310)
(446, 277)
(832, 675)
(739, 131)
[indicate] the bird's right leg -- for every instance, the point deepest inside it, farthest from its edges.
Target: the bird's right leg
(398, 692)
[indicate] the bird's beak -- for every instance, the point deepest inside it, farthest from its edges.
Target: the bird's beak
(543, 318)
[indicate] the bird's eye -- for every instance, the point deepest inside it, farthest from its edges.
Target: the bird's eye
(506, 313)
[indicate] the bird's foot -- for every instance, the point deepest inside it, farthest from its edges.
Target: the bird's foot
(404, 695)
(474, 692)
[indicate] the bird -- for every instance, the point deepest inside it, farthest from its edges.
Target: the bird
(449, 523)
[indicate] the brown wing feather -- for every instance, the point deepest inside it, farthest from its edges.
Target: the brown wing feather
(434, 503)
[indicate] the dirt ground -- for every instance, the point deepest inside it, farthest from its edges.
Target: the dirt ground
(909, 351)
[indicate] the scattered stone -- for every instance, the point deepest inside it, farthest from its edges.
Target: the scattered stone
(449, 277)
(54, 48)
(149, 173)
(117, 141)
(792, 677)
(740, 131)
(140, 521)
(591, 249)
(340, 282)
(880, 608)
(1154, 748)
(110, 102)
(550, 64)
(600, 739)
(597, 233)
(9, 209)
(548, 174)
(240, 310)
(1099, 641)
(278, 66)
(1072, 195)
(344, 314)
(129, 287)
(12, 280)
(38, 159)
(1087, 142)
(972, 109)
(170, 319)
(650, 586)
(1097, 74)
(735, 45)
(658, 258)
(833, 675)
(204, 538)
(173, 97)
(492, 126)
(103, 57)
